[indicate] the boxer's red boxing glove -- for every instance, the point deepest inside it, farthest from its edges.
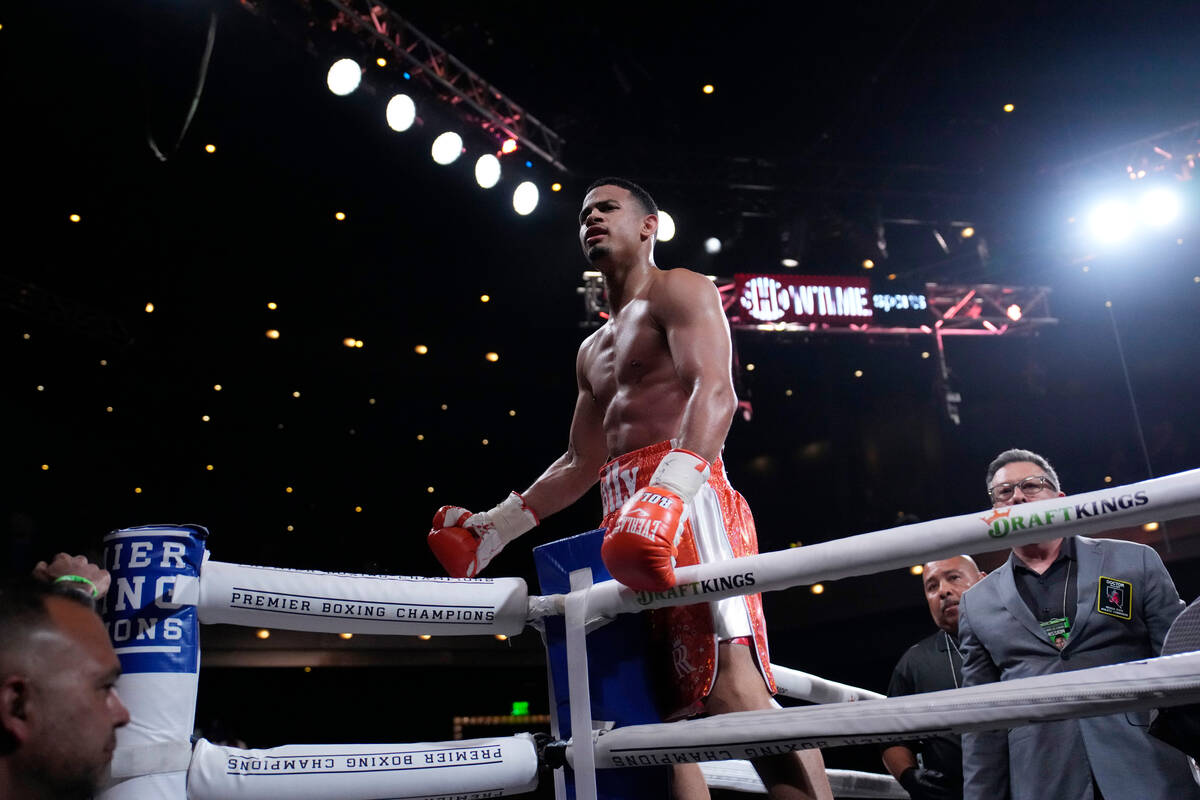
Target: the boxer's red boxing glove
(639, 551)
(465, 543)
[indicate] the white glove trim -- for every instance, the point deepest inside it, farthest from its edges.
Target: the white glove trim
(683, 472)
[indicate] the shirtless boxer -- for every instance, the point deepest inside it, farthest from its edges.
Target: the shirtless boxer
(654, 405)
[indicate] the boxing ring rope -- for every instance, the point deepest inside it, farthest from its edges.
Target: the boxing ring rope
(304, 600)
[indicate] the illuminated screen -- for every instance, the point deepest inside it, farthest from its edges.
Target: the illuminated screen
(833, 300)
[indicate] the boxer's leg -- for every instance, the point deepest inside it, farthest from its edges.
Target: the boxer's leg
(739, 687)
(687, 783)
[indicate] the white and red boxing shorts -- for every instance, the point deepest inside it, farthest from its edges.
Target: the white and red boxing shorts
(719, 527)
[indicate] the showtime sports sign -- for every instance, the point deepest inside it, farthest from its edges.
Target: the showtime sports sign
(775, 299)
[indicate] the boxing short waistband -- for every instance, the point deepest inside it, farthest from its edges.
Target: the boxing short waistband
(625, 474)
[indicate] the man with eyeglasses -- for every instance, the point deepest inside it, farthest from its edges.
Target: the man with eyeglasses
(1058, 606)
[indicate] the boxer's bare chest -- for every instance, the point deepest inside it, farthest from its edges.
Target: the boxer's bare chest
(629, 352)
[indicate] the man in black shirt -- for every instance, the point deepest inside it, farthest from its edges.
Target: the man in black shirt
(931, 769)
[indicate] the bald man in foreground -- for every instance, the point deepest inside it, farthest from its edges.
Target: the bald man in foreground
(59, 710)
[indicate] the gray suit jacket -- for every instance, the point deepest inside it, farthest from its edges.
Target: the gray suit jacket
(1001, 640)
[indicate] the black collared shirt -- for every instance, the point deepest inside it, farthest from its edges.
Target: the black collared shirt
(1044, 594)
(931, 665)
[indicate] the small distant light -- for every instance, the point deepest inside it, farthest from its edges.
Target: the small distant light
(1086, 268)
(421, 349)
(216, 387)
(371, 401)
(339, 216)
(501, 637)
(429, 489)
(425, 637)
(401, 112)
(291, 528)
(1196, 279)
(712, 245)
(445, 407)
(288, 489)
(868, 264)
(381, 62)
(493, 357)
(790, 263)
(708, 88)
(1179, 240)
(420, 437)
(487, 171)
(525, 198)
(25, 336)
(210, 148)
(509, 146)
(349, 341)
(1150, 526)
(916, 569)
(967, 232)
(1013, 312)
(1108, 303)
(272, 306)
(263, 633)
(407, 77)
(359, 343)
(485, 298)
(858, 373)
(818, 588)
(149, 308)
(556, 187)
(787, 393)
(512, 412)
(137, 490)
(74, 218)
(891, 276)
(1008, 108)
(272, 334)
(1108, 478)
(666, 226)
(529, 165)
(358, 509)
(749, 368)
(45, 467)
(104, 362)
(924, 354)
(41, 388)
(108, 409)
(295, 394)
(208, 467)
(1141, 173)
(347, 635)
(484, 442)
(205, 418)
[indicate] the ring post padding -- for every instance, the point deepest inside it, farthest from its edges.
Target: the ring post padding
(1095, 691)
(494, 767)
(329, 602)
(150, 614)
(1157, 499)
(617, 670)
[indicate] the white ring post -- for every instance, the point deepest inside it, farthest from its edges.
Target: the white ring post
(584, 764)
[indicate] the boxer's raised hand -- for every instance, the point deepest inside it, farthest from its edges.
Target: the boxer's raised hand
(639, 550)
(64, 564)
(465, 543)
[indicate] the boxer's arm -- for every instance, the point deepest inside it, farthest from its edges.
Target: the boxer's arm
(574, 472)
(688, 307)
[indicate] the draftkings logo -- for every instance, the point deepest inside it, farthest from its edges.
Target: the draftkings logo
(1003, 521)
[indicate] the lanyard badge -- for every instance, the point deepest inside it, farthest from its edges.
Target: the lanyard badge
(1058, 630)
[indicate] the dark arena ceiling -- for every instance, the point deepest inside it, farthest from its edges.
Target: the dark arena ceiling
(861, 131)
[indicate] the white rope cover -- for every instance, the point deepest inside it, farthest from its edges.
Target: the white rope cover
(1158, 499)
(1136, 685)
(328, 602)
(803, 686)
(739, 776)
(494, 767)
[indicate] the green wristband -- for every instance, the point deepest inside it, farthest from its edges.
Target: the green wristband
(78, 579)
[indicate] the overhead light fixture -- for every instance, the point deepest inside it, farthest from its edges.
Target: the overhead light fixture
(666, 226)
(344, 77)
(525, 198)
(712, 245)
(447, 148)
(487, 171)
(401, 113)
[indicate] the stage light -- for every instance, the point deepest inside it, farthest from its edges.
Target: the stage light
(263, 633)
(381, 62)
(359, 343)
(216, 387)
(525, 198)
(708, 88)
(205, 418)
(712, 245)
(358, 509)
(868, 264)
(1008, 108)
(149, 308)
(790, 263)
(1158, 207)
(421, 349)
(967, 232)
(401, 113)
(339, 216)
(272, 334)
(916, 569)
(556, 187)
(344, 76)
(74, 218)
(818, 588)
(858, 373)
(447, 148)
(1013, 312)
(1150, 527)
(137, 490)
(509, 146)
(425, 637)
(346, 635)
(45, 467)
(272, 306)
(749, 368)
(484, 298)
(487, 171)
(666, 226)
(288, 489)
(512, 412)
(493, 357)
(295, 394)
(1111, 222)
(349, 341)
(208, 467)
(210, 148)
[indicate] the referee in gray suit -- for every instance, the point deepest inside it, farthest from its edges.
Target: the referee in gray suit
(1058, 606)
